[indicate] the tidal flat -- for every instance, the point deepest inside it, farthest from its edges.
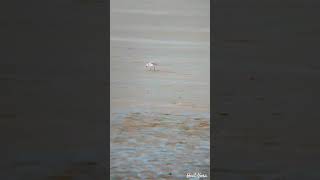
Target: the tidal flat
(160, 120)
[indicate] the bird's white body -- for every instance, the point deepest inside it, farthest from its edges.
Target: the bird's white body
(151, 64)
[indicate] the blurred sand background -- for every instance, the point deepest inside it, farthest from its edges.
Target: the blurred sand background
(159, 120)
(53, 90)
(266, 90)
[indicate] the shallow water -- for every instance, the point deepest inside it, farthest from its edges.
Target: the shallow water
(156, 146)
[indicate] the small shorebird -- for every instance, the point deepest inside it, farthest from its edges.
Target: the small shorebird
(150, 65)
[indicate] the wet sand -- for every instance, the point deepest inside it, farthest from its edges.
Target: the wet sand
(159, 119)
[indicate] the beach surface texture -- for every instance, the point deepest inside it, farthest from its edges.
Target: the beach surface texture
(160, 119)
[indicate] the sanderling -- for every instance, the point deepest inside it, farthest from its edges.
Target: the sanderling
(151, 64)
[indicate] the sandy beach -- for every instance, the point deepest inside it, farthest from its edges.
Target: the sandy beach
(160, 119)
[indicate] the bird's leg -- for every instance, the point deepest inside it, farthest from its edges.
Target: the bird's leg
(154, 68)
